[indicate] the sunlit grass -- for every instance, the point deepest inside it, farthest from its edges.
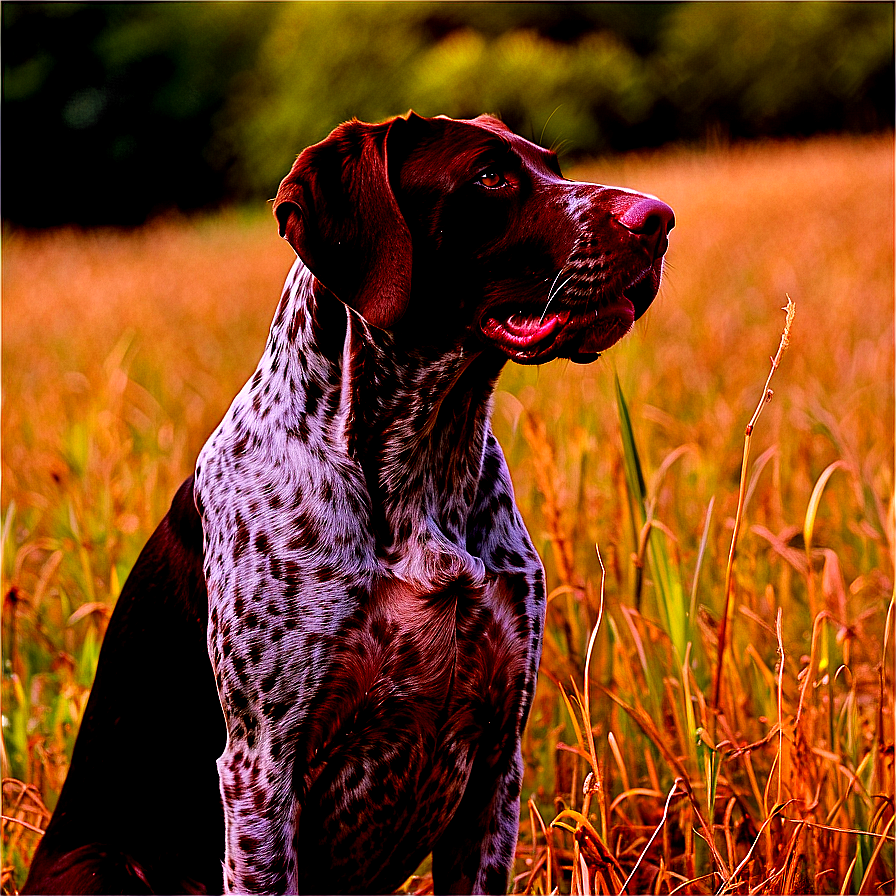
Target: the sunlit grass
(122, 351)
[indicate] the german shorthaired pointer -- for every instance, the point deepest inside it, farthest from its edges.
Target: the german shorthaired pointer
(347, 576)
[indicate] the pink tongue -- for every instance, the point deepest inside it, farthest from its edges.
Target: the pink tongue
(523, 330)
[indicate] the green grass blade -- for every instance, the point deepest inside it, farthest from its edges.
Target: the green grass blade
(667, 581)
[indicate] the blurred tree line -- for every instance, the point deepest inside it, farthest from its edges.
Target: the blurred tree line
(115, 111)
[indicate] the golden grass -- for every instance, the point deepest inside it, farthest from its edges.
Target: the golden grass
(122, 350)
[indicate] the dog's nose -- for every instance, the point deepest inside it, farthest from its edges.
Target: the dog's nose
(650, 218)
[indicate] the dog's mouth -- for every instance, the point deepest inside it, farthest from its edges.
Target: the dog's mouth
(580, 331)
(524, 332)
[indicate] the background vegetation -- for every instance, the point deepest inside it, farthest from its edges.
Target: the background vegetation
(123, 348)
(116, 111)
(121, 352)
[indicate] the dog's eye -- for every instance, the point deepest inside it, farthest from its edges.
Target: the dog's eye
(491, 178)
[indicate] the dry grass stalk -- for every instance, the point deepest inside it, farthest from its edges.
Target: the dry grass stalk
(789, 310)
(546, 474)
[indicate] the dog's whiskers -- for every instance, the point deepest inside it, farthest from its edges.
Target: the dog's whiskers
(552, 293)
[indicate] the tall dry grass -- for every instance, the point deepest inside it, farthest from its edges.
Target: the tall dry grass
(122, 351)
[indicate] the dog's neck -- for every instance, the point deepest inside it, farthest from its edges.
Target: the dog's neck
(415, 421)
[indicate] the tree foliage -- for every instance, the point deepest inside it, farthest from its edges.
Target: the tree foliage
(114, 111)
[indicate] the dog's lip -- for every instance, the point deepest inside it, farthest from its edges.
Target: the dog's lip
(523, 330)
(606, 326)
(530, 336)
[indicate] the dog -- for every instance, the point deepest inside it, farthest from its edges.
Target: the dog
(321, 666)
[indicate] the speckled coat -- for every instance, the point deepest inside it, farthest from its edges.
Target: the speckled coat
(375, 690)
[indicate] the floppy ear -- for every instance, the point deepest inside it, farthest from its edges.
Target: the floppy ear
(338, 211)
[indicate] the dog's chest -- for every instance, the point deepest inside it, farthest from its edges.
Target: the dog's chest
(418, 686)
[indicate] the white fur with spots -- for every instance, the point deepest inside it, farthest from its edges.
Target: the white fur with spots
(290, 551)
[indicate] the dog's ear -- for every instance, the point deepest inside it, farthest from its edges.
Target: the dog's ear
(337, 209)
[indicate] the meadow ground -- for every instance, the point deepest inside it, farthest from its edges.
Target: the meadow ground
(121, 351)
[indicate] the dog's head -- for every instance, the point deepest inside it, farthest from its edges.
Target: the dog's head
(466, 231)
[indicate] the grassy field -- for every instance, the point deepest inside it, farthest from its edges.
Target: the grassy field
(121, 351)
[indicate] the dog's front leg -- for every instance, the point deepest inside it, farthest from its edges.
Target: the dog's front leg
(475, 854)
(260, 818)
